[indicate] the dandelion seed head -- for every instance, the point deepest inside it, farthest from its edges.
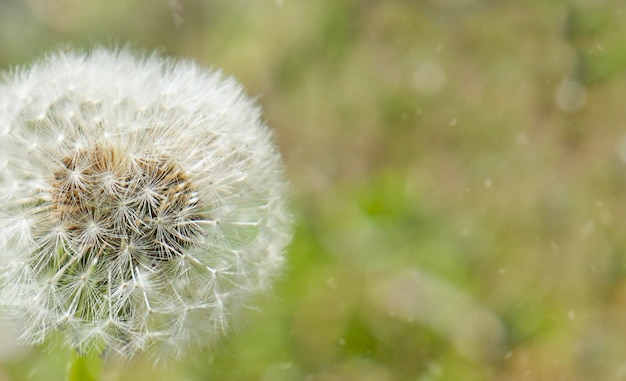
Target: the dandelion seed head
(142, 202)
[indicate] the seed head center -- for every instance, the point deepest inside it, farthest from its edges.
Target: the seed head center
(111, 201)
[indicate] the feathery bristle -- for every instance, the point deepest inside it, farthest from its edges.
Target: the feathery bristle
(142, 201)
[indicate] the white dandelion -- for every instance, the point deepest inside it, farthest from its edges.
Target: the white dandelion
(142, 202)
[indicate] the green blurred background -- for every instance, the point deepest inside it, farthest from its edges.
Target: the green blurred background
(459, 175)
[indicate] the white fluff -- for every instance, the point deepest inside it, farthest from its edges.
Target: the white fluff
(142, 202)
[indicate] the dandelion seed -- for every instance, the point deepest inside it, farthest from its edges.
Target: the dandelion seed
(143, 202)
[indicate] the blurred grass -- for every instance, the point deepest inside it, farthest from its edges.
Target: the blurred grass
(458, 206)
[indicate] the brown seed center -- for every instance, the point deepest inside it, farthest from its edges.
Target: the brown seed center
(113, 203)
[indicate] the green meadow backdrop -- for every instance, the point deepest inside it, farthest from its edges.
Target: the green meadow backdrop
(458, 171)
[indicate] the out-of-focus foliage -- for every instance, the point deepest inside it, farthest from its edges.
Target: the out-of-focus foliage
(459, 172)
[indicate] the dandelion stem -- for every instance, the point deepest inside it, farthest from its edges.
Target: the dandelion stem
(84, 368)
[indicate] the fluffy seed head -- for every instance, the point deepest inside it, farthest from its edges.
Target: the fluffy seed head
(142, 202)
